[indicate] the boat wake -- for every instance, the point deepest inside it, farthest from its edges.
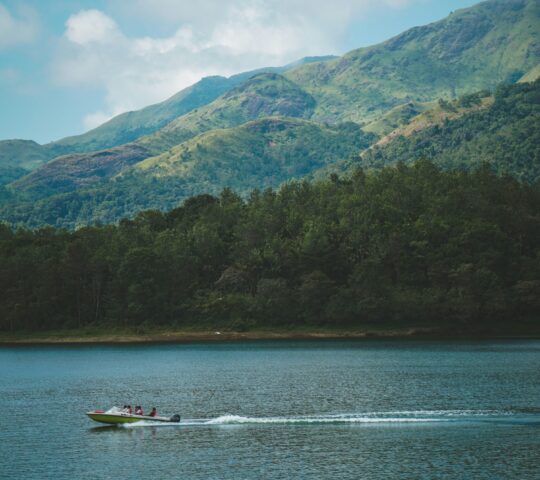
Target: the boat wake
(396, 417)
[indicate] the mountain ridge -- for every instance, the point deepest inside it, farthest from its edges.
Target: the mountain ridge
(130, 126)
(264, 94)
(499, 130)
(470, 50)
(379, 89)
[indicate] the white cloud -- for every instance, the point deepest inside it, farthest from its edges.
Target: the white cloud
(210, 37)
(17, 30)
(91, 26)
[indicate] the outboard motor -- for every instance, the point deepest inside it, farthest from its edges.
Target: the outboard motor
(175, 418)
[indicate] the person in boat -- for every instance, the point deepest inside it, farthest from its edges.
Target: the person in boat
(124, 409)
(153, 413)
(128, 410)
(139, 410)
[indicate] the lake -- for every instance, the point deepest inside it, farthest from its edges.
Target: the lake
(367, 409)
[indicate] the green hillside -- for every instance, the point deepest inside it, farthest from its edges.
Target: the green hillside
(471, 50)
(396, 117)
(130, 126)
(70, 172)
(17, 157)
(265, 94)
(260, 154)
(121, 129)
(413, 91)
(504, 132)
(263, 153)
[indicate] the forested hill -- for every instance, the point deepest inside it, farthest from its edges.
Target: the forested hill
(266, 152)
(503, 131)
(493, 42)
(405, 246)
(172, 151)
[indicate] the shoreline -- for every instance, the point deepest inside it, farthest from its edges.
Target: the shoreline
(208, 336)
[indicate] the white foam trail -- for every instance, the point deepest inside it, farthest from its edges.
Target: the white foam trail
(239, 420)
(416, 416)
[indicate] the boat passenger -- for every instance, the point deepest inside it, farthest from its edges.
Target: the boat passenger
(124, 409)
(139, 410)
(128, 409)
(153, 413)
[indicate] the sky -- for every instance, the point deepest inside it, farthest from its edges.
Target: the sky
(67, 66)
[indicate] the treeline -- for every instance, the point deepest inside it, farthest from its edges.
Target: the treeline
(402, 246)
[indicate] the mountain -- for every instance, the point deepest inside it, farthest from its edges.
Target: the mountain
(265, 94)
(502, 130)
(130, 126)
(17, 157)
(403, 88)
(262, 153)
(73, 171)
(471, 50)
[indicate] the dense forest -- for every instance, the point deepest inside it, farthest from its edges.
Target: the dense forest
(406, 245)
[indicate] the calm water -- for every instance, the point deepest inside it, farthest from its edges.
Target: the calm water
(276, 410)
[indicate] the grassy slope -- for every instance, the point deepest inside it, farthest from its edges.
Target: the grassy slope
(74, 171)
(121, 129)
(259, 154)
(18, 157)
(264, 94)
(473, 49)
(502, 131)
(531, 75)
(397, 117)
(438, 114)
(130, 126)
(263, 153)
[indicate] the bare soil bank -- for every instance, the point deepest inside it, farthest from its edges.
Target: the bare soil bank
(189, 336)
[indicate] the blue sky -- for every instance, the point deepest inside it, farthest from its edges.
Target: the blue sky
(68, 65)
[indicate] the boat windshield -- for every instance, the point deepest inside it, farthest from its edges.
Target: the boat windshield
(115, 410)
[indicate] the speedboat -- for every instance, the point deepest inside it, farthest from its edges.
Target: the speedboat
(115, 416)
